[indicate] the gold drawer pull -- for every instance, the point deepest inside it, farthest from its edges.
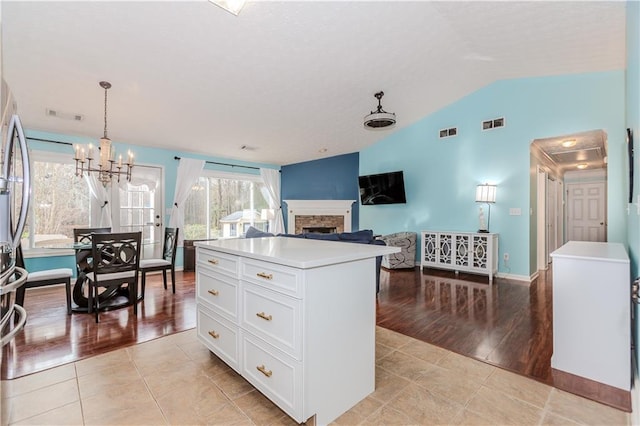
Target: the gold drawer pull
(213, 292)
(263, 370)
(264, 316)
(213, 261)
(214, 334)
(265, 275)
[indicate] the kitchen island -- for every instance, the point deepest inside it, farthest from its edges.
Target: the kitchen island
(295, 317)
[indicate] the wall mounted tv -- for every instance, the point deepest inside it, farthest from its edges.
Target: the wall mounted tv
(383, 188)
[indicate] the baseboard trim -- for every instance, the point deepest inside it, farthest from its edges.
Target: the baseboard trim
(596, 391)
(514, 277)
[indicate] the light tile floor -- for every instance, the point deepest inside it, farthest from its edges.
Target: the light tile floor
(175, 380)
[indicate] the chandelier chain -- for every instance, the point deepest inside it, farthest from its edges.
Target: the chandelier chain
(105, 112)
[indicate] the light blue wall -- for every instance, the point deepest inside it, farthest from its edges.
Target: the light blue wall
(143, 155)
(441, 174)
(633, 122)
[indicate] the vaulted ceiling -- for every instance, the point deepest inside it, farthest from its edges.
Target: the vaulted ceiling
(289, 81)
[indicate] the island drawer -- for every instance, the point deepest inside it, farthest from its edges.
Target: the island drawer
(274, 374)
(217, 261)
(219, 292)
(275, 277)
(220, 336)
(273, 317)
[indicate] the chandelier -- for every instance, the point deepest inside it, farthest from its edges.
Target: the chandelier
(105, 165)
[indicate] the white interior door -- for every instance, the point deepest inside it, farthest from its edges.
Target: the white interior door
(560, 215)
(586, 212)
(550, 219)
(138, 207)
(541, 203)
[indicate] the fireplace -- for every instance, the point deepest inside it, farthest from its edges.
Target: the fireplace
(319, 229)
(325, 214)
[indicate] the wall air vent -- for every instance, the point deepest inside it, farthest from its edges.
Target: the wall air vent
(64, 115)
(493, 124)
(447, 133)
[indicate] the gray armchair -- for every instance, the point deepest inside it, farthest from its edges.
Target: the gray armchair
(407, 256)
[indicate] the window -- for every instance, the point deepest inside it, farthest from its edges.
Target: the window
(60, 201)
(223, 205)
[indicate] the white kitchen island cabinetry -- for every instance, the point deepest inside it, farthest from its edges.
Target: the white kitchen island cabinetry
(592, 312)
(295, 317)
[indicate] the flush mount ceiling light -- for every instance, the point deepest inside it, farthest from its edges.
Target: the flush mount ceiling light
(231, 6)
(379, 118)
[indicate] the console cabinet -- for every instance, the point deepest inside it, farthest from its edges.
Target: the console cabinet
(294, 317)
(460, 251)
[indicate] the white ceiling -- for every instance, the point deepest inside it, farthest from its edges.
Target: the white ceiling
(285, 79)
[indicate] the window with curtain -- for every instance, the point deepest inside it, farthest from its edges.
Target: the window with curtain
(224, 205)
(60, 201)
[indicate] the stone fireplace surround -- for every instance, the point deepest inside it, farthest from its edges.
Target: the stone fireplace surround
(319, 213)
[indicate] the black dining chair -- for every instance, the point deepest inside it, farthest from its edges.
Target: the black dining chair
(115, 262)
(167, 262)
(83, 237)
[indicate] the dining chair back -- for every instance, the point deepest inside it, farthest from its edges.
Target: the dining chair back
(167, 262)
(115, 262)
(83, 237)
(43, 278)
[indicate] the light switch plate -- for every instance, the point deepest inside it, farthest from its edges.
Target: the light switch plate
(515, 211)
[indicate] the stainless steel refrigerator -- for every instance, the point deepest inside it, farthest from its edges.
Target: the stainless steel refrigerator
(15, 191)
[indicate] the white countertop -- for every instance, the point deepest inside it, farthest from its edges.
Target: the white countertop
(587, 250)
(298, 252)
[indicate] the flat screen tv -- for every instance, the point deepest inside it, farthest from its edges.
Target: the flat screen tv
(383, 188)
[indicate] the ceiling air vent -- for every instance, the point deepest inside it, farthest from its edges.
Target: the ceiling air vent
(493, 124)
(447, 133)
(64, 115)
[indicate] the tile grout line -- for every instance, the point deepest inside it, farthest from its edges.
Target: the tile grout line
(146, 385)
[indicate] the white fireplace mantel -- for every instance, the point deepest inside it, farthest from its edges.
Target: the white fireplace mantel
(318, 208)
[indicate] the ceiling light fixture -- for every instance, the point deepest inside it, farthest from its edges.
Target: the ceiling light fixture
(107, 167)
(379, 118)
(582, 166)
(231, 6)
(569, 143)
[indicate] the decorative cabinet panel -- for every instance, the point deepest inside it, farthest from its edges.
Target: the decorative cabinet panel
(461, 251)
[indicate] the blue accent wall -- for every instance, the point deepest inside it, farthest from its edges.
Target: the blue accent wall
(441, 174)
(334, 178)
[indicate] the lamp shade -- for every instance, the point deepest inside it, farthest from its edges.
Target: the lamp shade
(486, 193)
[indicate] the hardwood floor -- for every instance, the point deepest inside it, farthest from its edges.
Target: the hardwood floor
(507, 325)
(51, 337)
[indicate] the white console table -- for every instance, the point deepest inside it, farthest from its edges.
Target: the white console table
(294, 317)
(460, 251)
(592, 312)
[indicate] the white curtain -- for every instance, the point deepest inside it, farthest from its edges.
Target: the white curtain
(271, 179)
(189, 170)
(102, 196)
